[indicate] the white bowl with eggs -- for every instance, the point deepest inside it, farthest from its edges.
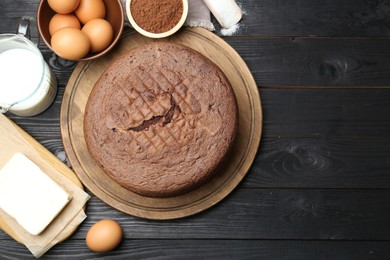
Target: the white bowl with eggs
(80, 29)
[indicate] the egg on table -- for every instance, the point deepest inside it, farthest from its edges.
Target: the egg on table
(104, 236)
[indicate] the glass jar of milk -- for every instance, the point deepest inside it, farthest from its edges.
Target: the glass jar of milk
(27, 85)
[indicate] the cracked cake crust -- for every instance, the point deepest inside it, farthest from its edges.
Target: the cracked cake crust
(160, 119)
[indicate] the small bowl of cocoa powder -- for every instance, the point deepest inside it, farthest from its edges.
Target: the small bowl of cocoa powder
(157, 18)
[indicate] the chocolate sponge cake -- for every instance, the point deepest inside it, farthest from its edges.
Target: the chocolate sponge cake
(160, 119)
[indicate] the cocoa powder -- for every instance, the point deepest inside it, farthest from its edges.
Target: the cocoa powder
(156, 16)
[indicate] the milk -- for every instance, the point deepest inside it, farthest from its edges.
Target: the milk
(26, 82)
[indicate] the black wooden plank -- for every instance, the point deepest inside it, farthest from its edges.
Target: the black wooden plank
(306, 163)
(272, 214)
(211, 249)
(326, 112)
(61, 68)
(294, 214)
(273, 17)
(321, 163)
(12, 10)
(316, 61)
(285, 61)
(315, 17)
(296, 61)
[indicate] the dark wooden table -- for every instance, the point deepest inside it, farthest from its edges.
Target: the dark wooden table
(319, 187)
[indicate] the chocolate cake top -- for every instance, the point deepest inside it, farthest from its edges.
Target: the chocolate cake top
(160, 119)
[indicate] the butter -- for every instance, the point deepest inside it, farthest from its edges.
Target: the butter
(29, 195)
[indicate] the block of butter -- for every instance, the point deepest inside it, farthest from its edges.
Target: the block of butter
(29, 195)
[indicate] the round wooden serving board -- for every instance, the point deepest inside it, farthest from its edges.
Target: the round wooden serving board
(241, 157)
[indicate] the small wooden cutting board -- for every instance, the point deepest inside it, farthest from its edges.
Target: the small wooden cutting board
(13, 139)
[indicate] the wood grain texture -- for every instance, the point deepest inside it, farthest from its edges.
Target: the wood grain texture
(353, 113)
(270, 214)
(237, 161)
(313, 61)
(14, 140)
(314, 162)
(298, 61)
(318, 188)
(287, 112)
(215, 249)
(275, 18)
(315, 18)
(257, 214)
(303, 162)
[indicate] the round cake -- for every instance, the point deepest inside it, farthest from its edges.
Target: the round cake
(160, 119)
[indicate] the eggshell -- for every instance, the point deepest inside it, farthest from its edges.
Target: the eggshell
(99, 32)
(70, 43)
(104, 236)
(63, 6)
(59, 21)
(90, 9)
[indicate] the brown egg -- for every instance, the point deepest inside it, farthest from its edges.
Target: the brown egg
(99, 32)
(90, 9)
(59, 21)
(63, 6)
(104, 236)
(70, 43)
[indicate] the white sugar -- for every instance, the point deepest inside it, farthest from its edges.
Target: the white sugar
(227, 12)
(230, 31)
